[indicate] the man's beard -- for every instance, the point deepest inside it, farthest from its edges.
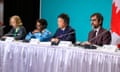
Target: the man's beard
(95, 27)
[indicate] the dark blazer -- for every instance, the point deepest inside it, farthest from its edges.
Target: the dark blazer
(67, 35)
(19, 35)
(103, 37)
(1, 30)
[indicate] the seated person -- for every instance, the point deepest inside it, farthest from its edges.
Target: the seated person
(99, 35)
(40, 32)
(1, 29)
(18, 31)
(64, 32)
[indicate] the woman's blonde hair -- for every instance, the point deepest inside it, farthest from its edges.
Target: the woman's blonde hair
(17, 19)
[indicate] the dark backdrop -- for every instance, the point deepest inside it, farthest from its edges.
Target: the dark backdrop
(28, 10)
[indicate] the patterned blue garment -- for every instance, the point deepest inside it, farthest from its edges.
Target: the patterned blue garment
(44, 36)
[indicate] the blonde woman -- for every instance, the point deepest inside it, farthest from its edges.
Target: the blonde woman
(18, 31)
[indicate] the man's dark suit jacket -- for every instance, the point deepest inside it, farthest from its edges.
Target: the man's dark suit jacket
(19, 35)
(103, 37)
(67, 35)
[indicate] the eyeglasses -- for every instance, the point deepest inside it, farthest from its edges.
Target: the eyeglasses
(38, 25)
(93, 19)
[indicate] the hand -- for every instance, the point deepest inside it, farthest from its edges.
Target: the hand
(86, 43)
(56, 40)
(35, 31)
(4, 36)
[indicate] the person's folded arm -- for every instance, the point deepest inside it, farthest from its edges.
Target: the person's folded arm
(28, 36)
(45, 36)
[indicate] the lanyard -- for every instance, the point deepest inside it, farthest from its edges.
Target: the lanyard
(15, 33)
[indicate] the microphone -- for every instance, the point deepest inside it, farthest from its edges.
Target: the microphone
(54, 43)
(65, 34)
(98, 36)
(11, 34)
(2, 27)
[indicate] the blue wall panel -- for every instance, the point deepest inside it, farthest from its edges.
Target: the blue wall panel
(79, 12)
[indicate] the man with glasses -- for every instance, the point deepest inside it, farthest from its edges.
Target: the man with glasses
(98, 35)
